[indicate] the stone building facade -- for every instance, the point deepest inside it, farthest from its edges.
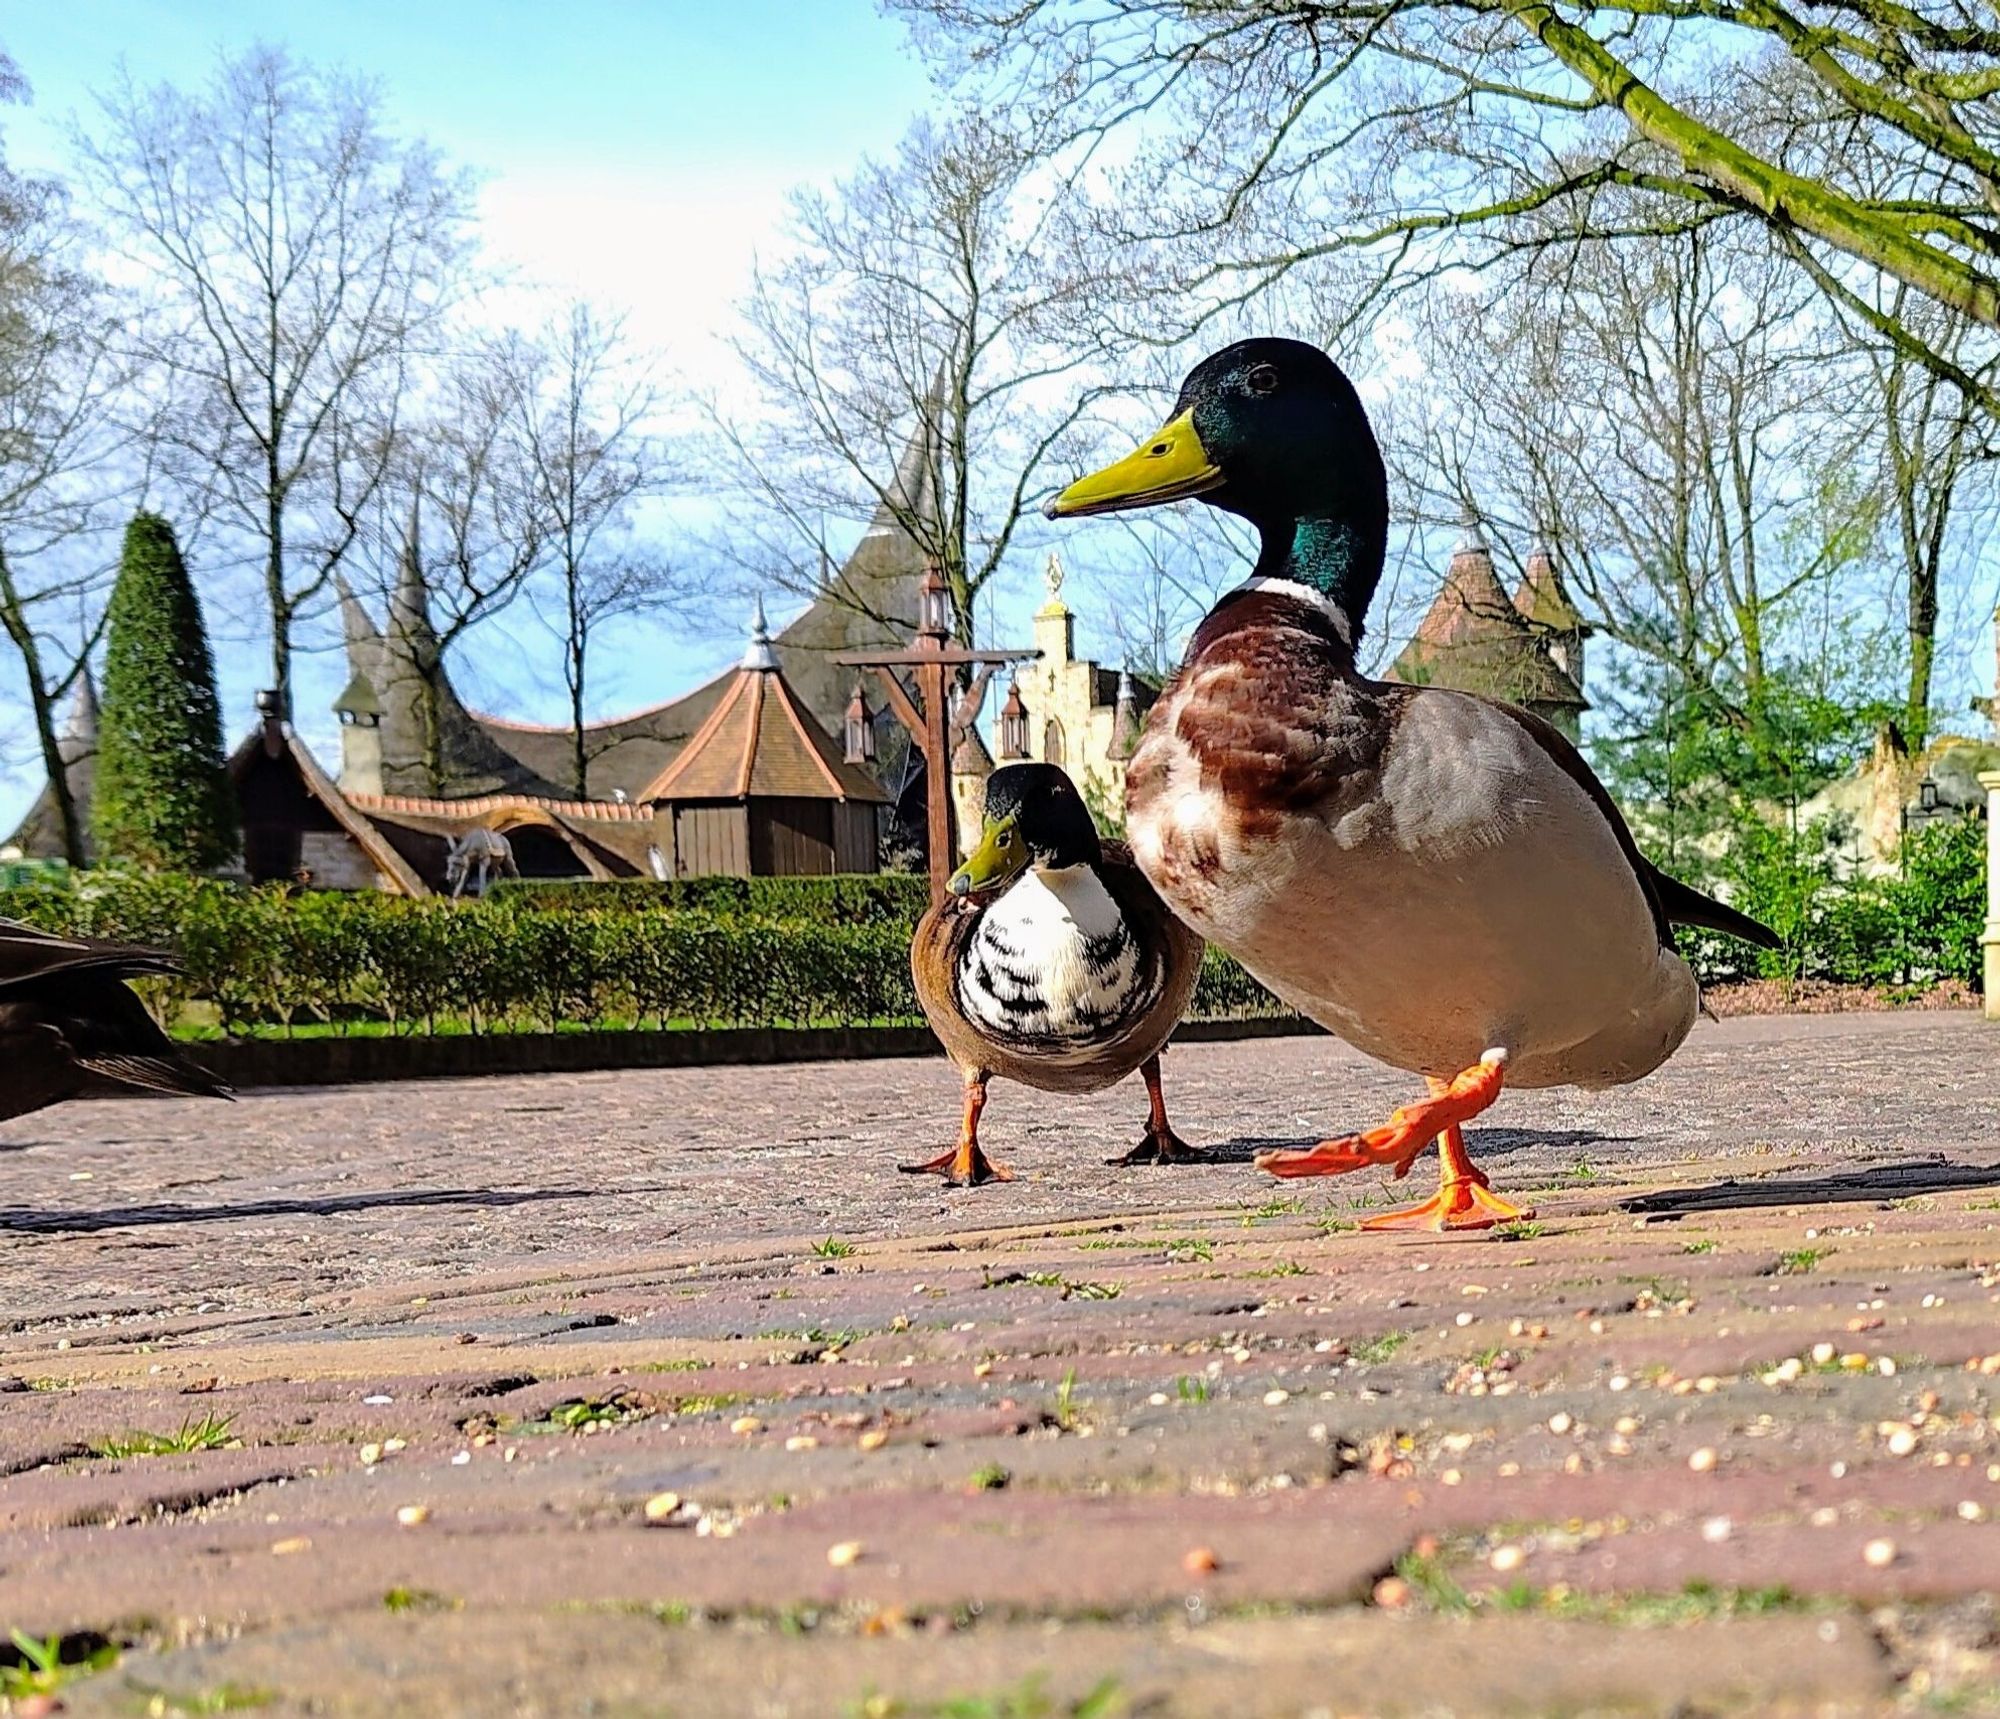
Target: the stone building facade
(1079, 715)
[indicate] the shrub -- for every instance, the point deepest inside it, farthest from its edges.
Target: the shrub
(1918, 925)
(269, 955)
(601, 953)
(884, 898)
(162, 798)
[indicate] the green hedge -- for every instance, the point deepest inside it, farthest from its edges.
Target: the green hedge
(834, 951)
(258, 957)
(886, 898)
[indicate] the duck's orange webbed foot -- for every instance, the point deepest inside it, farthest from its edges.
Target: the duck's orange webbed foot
(1464, 1200)
(1160, 1144)
(964, 1165)
(1407, 1132)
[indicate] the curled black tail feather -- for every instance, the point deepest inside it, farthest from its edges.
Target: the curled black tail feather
(1687, 906)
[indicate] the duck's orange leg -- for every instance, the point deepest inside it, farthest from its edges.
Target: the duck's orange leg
(1462, 1200)
(1160, 1145)
(965, 1165)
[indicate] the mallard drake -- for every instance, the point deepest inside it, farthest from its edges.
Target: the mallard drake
(67, 1016)
(1051, 962)
(1438, 878)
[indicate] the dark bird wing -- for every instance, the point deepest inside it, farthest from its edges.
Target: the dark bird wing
(67, 1014)
(29, 955)
(36, 1068)
(1673, 902)
(111, 1035)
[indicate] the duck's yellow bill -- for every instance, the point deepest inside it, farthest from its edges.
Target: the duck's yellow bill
(1000, 856)
(1169, 465)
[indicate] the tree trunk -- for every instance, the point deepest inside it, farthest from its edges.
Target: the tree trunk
(428, 708)
(579, 759)
(68, 819)
(274, 593)
(1923, 601)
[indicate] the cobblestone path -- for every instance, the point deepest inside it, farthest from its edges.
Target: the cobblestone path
(663, 1393)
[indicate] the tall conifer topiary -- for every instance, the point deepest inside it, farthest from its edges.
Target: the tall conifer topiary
(163, 798)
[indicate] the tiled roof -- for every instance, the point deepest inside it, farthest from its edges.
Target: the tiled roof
(1541, 598)
(759, 742)
(414, 805)
(1475, 640)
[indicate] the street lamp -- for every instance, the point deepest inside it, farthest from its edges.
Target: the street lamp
(860, 728)
(1927, 794)
(1013, 726)
(933, 604)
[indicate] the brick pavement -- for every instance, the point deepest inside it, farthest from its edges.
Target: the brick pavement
(1712, 1434)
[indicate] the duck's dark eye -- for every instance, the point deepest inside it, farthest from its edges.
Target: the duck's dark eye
(1263, 379)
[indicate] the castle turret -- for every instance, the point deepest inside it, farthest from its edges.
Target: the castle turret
(1475, 639)
(1546, 607)
(1055, 626)
(360, 713)
(1125, 723)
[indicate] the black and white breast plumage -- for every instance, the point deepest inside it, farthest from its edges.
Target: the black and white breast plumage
(1054, 961)
(1067, 980)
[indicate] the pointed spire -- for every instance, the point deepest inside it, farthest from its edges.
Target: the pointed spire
(411, 597)
(914, 488)
(1471, 539)
(410, 602)
(357, 626)
(759, 658)
(79, 732)
(1470, 585)
(1125, 718)
(1540, 597)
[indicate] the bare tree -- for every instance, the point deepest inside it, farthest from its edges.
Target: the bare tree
(584, 417)
(1936, 474)
(1157, 577)
(56, 450)
(1259, 136)
(300, 254)
(1669, 410)
(927, 301)
(461, 522)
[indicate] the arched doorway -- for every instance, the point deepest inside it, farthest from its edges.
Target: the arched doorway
(1054, 751)
(540, 852)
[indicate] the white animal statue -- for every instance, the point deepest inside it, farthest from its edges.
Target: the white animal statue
(476, 858)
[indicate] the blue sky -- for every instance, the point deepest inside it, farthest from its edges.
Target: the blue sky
(636, 151)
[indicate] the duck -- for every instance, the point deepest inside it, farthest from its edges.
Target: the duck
(69, 1018)
(1052, 962)
(1436, 877)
